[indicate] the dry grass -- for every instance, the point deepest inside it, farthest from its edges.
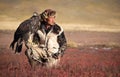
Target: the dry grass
(12, 25)
(90, 27)
(9, 25)
(72, 44)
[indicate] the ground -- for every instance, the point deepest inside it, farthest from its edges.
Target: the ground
(89, 54)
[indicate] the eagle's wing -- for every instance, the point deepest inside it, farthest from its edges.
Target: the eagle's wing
(22, 29)
(30, 25)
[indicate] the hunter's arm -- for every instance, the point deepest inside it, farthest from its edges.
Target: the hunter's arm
(62, 42)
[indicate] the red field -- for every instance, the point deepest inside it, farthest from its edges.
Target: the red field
(94, 59)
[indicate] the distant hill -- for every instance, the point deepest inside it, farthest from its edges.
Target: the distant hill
(96, 12)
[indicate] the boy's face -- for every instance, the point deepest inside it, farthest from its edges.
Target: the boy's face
(51, 20)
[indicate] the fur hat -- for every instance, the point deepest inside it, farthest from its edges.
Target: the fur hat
(47, 13)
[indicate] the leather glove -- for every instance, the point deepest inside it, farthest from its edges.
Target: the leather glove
(55, 55)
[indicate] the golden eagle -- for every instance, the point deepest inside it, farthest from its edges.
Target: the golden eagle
(24, 30)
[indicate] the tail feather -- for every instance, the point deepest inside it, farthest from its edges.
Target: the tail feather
(18, 48)
(12, 45)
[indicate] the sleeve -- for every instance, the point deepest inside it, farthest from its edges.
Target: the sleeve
(62, 42)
